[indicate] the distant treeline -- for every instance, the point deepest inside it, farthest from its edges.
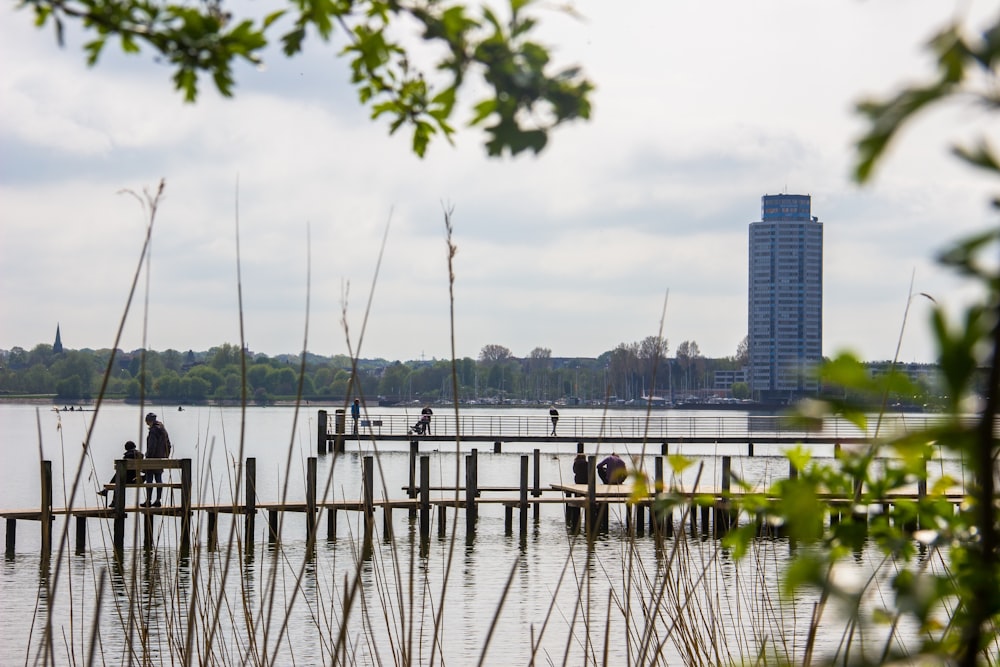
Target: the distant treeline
(627, 373)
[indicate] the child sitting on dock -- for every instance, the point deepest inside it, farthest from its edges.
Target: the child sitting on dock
(130, 453)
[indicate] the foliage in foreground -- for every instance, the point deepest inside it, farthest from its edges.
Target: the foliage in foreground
(526, 99)
(956, 611)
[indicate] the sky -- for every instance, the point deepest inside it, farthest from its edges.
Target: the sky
(631, 221)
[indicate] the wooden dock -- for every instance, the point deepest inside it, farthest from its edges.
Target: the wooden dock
(587, 501)
(662, 430)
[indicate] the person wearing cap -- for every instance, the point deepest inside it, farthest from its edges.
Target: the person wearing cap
(157, 447)
(130, 453)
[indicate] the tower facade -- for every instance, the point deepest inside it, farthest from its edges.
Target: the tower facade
(785, 299)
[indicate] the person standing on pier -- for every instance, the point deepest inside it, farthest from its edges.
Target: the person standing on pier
(157, 447)
(612, 470)
(554, 415)
(356, 414)
(427, 412)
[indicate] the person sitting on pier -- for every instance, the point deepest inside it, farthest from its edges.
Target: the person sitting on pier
(130, 453)
(581, 469)
(420, 428)
(612, 470)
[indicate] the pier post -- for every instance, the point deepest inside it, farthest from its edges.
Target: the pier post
(81, 534)
(368, 480)
(723, 514)
(331, 523)
(321, 443)
(11, 537)
(311, 503)
(591, 510)
(471, 491)
(46, 474)
(536, 487)
(411, 489)
(213, 530)
(272, 526)
(118, 540)
(425, 497)
(185, 505)
(656, 524)
(340, 428)
(147, 529)
(250, 500)
(523, 495)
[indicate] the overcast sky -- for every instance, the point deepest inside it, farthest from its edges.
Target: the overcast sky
(700, 109)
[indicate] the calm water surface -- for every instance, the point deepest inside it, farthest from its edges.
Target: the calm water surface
(499, 596)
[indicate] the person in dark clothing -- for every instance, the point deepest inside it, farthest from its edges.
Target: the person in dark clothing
(356, 414)
(420, 428)
(157, 447)
(427, 412)
(581, 469)
(554, 415)
(612, 470)
(130, 453)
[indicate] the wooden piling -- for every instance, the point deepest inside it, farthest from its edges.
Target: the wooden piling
(212, 519)
(591, 510)
(368, 482)
(81, 534)
(471, 491)
(250, 498)
(340, 429)
(46, 519)
(272, 526)
(118, 539)
(186, 480)
(321, 428)
(310, 503)
(523, 495)
(331, 524)
(425, 500)
(411, 488)
(11, 537)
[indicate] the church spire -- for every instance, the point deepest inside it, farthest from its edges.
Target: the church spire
(57, 346)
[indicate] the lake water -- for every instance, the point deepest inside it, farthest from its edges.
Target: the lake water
(500, 598)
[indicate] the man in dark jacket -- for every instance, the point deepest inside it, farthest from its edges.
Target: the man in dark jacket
(157, 447)
(612, 470)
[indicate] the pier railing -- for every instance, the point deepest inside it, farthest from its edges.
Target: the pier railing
(662, 426)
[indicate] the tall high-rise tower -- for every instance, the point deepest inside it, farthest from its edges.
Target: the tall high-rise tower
(785, 304)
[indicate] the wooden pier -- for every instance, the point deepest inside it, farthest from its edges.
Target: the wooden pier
(661, 429)
(590, 502)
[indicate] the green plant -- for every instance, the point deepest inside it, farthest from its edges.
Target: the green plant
(526, 99)
(956, 607)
